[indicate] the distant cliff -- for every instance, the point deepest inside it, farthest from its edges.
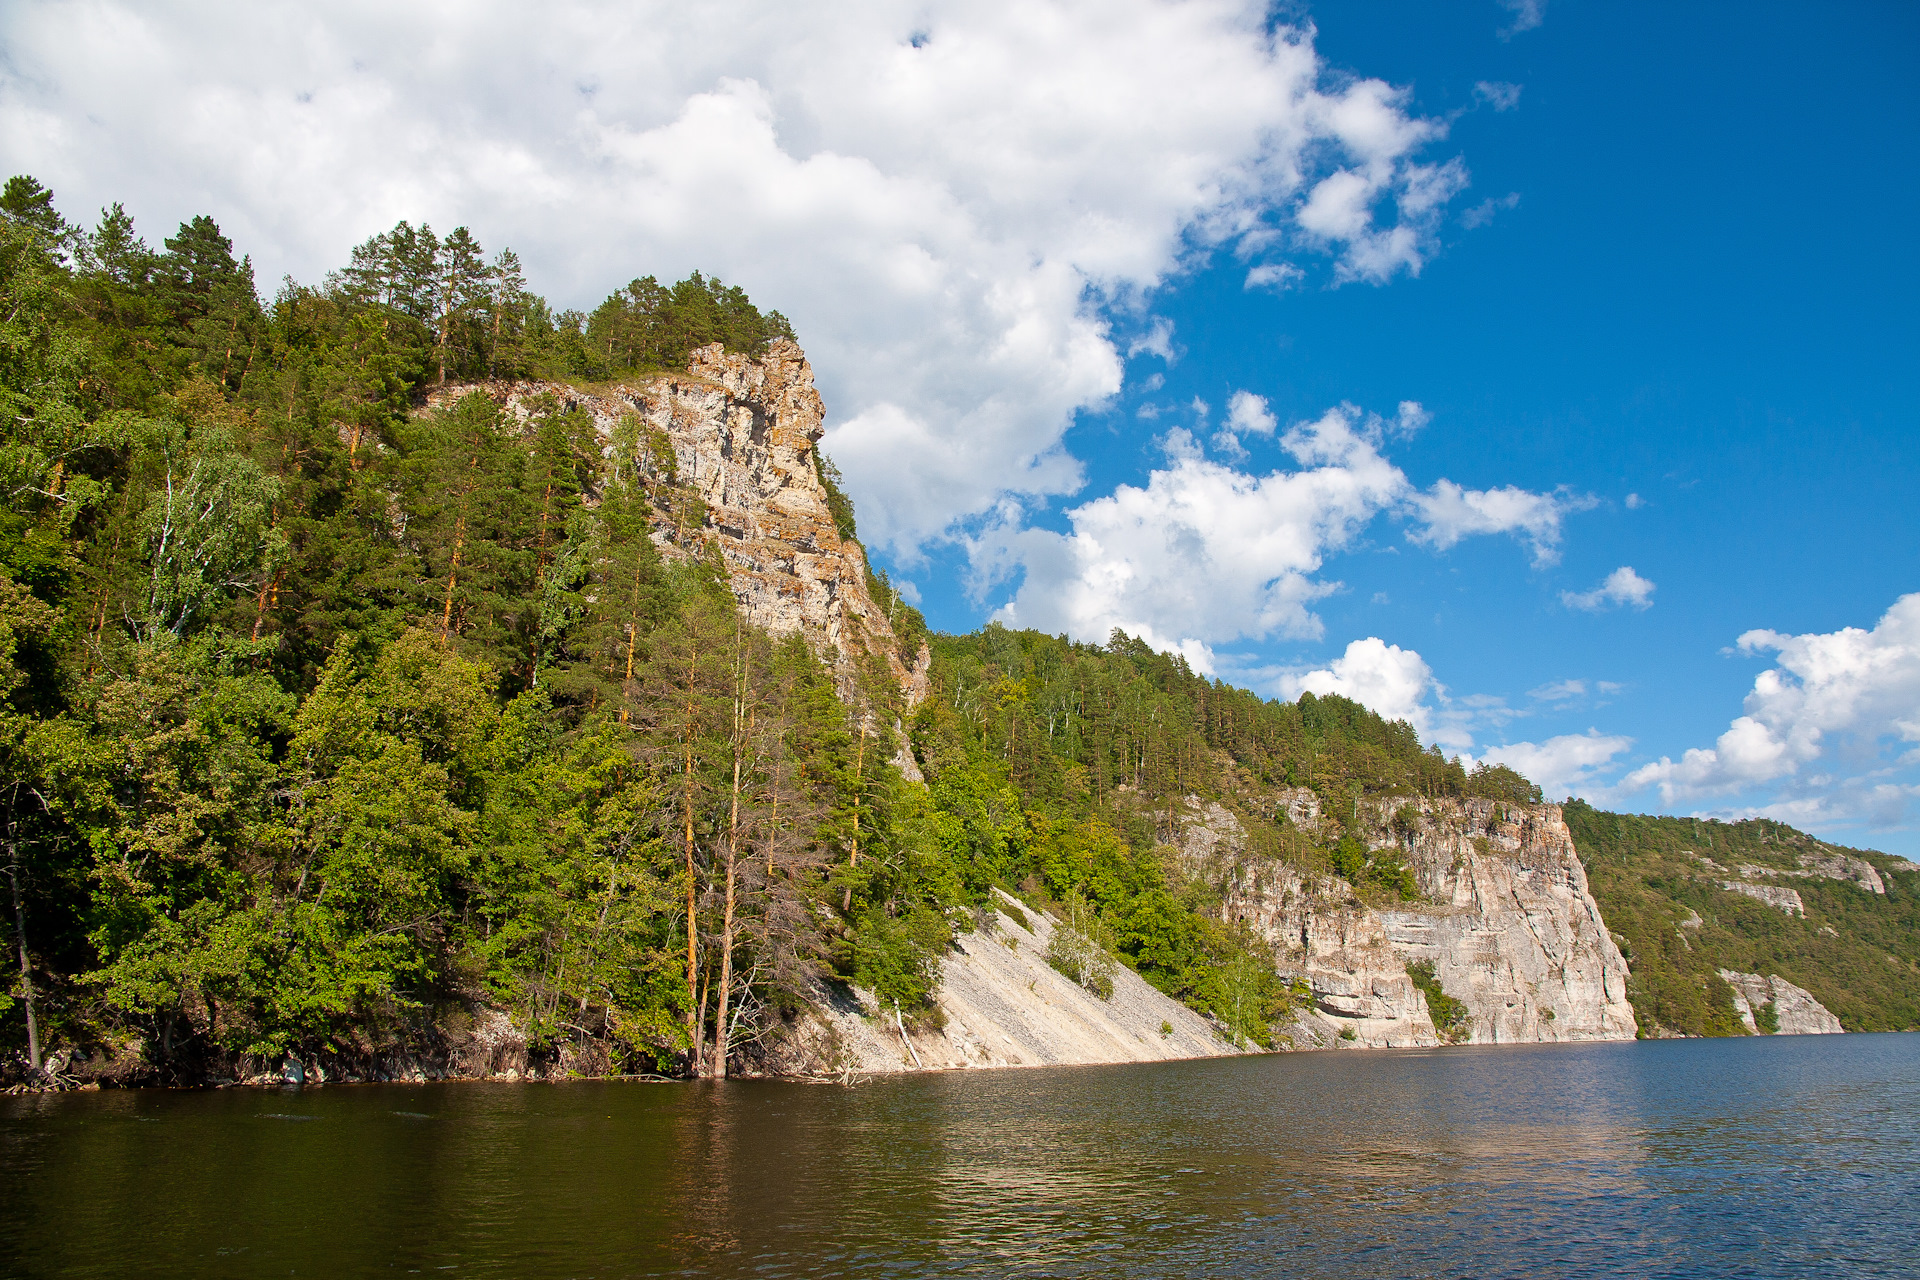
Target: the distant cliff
(1503, 921)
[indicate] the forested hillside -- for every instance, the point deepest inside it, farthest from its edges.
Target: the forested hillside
(1664, 886)
(337, 725)
(332, 722)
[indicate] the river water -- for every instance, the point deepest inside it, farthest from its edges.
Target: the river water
(1754, 1157)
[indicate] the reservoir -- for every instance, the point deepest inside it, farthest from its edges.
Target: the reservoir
(1771, 1156)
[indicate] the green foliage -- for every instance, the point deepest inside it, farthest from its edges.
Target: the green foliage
(1450, 1016)
(1858, 952)
(330, 720)
(648, 325)
(1499, 782)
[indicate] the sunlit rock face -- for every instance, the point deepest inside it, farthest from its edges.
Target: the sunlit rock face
(743, 431)
(1504, 915)
(1795, 1010)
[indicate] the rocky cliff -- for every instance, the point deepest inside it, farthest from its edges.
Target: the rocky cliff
(742, 432)
(1503, 915)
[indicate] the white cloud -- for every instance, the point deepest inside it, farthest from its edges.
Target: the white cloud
(1635, 502)
(1452, 513)
(1386, 679)
(1833, 731)
(1498, 94)
(1559, 691)
(1156, 341)
(1567, 765)
(1527, 14)
(1248, 415)
(1622, 586)
(1212, 554)
(1277, 276)
(1203, 552)
(949, 219)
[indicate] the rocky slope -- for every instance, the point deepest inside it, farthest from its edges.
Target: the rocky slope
(1000, 1004)
(1504, 916)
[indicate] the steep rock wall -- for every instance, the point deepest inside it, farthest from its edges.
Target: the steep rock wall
(743, 432)
(1504, 915)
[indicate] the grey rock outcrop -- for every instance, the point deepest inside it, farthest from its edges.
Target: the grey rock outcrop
(1785, 899)
(1504, 915)
(1826, 865)
(1798, 1013)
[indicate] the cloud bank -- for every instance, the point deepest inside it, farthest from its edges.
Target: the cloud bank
(950, 200)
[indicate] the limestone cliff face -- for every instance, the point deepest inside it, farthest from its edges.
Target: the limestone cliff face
(743, 432)
(1505, 916)
(1794, 1008)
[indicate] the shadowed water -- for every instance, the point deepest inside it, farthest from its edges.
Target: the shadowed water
(1763, 1157)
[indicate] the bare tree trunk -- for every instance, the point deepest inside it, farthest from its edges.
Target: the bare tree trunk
(695, 1015)
(721, 1037)
(459, 546)
(453, 577)
(26, 966)
(859, 791)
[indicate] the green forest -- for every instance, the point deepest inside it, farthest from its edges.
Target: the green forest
(329, 721)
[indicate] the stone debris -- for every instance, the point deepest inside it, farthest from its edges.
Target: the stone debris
(1000, 1005)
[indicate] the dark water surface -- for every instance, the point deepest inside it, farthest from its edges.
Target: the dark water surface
(1759, 1157)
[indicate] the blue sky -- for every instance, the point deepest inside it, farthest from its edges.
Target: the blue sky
(1494, 301)
(1692, 299)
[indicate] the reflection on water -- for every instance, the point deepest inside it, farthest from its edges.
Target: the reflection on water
(1750, 1157)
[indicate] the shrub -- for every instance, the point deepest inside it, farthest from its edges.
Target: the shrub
(1450, 1016)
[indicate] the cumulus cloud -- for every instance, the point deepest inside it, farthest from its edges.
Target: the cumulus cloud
(1384, 678)
(950, 200)
(1209, 554)
(1622, 586)
(1248, 415)
(1156, 341)
(1833, 729)
(1570, 764)
(1451, 513)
